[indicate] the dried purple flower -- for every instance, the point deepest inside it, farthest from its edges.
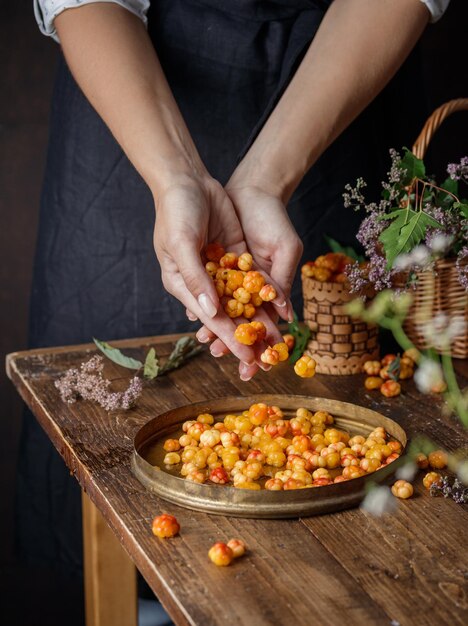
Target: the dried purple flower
(459, 171)
(456, 490)
(88, 383)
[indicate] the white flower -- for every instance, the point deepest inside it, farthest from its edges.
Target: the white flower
(420, 256)
(378, 501)
(441, 331)
(403, 262)
(407, 471)
(428, 375)
(440, 243)
(462, 472)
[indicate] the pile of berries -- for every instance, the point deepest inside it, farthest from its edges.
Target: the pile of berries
(328, 268)
(386, 374)
(261, 448)
(241, 289)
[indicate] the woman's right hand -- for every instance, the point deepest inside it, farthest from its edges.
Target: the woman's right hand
(192, 211)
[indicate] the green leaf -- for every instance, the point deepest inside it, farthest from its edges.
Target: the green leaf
(301, 335)
(116, 356)
(405, 232)
(151, 367)
(335, 246)
(450, 185)
(463, 207)
(394, 368)
(184, 349)
(414, 167)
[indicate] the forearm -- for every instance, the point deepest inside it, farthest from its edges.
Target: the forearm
(358, 48)
(111, 57)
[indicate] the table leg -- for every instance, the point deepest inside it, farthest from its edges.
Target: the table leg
(109, 574)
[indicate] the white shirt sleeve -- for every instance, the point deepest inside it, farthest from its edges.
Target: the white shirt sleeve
(46, 11)
(436, 8)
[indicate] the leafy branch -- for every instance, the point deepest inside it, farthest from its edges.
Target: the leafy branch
(184, 349)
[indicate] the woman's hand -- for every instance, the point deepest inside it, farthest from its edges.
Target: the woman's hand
(190, 212)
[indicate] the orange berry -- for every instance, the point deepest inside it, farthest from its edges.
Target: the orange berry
(171, 458)
(219, 286)
(289, 341)
(249, 311)
(256, 300)
(220, 554)
(171, 445)
(237, 546)
(282, 350)
(392, 457)
(421, 461)
(371, 368)
(246, 334)
(412, 354)
(253, 281)
(406, 372)
(260, 328)
(373, 382)
(387, 359)
(402, 489)
(267, 293)
(234, 280)
(305, 366)
(165, 526)
(390, 389)
(219, 476)
(244, 262)
(270, 357)
(211, 268)
(234, 308)
(437, 459)
(228, 260)
(258, 413)
(431, 478)
(242, 295)
(341, 278)
(214, 252)
(274, 484)
(322, 274)
(292, 483)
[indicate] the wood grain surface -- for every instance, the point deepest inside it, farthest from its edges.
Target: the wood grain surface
(411, 567)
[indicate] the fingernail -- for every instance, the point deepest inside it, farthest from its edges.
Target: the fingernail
(265, 367)
(216, 354)
(245, 377)
(203, 339)
(207, 305)
(282, 303)
(191, 316)
(248, 363)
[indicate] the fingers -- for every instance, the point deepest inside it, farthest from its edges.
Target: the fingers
(283, 269)
(196, 280)
(246, 372)
(191, 316)
(220, 325)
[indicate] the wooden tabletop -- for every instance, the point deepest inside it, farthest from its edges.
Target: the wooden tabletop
(408, 568)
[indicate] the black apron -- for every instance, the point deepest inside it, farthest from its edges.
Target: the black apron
(95, 270)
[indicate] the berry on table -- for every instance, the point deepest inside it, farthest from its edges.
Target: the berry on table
(237, 546)
(373, 382)
(421, 461)
(431, 478)
(165, 526)
(305, 366)
(390, 389)
(437, 459)
(402, 489)
(220, 554)
(387, 359)
(371, 368)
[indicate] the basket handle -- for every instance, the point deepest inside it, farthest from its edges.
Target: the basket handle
(433, 123)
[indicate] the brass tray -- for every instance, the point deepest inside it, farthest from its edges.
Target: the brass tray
(148, 467)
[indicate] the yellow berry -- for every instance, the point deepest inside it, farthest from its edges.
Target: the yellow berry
(402, 489)
(305, 367)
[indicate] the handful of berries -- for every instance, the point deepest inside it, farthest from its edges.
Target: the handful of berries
(263, 449)
(328, 268)
(242, 291)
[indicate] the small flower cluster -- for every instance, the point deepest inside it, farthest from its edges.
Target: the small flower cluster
(88, 383)
(454, 490)
(459, 171)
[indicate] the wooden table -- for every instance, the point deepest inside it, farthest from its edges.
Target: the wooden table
(409, 568)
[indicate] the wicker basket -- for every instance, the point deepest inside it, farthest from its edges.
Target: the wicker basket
(438, 290)
(340, 344)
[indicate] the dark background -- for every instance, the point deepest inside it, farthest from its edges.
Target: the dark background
(31, 595)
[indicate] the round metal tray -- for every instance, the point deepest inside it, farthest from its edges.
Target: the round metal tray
(148, 467)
